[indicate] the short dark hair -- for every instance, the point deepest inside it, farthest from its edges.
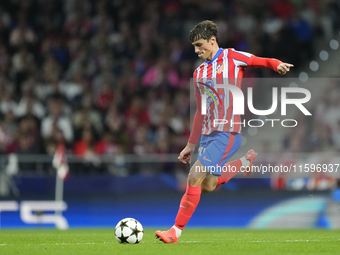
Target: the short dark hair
(203, 30)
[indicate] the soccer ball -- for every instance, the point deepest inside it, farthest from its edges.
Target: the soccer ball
(129, 230)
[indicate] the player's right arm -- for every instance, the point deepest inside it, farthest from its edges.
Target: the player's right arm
(186, 153)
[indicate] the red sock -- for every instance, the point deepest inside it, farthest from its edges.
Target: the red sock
(230, 170)
(188, 205)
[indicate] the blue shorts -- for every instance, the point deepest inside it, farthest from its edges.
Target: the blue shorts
(216, 149)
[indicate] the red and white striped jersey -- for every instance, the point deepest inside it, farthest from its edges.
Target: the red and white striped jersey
(227, 66)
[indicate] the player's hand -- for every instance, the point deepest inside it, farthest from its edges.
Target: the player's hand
(283, 68)
(185, 155)
(248, 171)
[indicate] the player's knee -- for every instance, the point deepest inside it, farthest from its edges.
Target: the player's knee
(207, 189)
(195, 178)
(194, 182)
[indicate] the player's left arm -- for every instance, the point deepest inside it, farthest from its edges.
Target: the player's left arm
(246, 59)
(272, 63)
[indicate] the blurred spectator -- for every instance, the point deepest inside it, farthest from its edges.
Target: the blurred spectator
(5, 59)
(28, 104)
(332, 115)
(304, 35)
(282, 8)
(336, 136)
(22, 33)
(105, 97)
(9, 129)
(22, 64)
(56, 119)
(28, 142)
(84, 148)
(136, 114)
(69, 90)
(85, 144)
(87, 116)
(140, 141)
(322, 131)
(106, 145)
(6, 101)
(161, 74)
(113, 119)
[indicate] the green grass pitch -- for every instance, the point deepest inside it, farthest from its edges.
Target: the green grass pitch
(192, 241)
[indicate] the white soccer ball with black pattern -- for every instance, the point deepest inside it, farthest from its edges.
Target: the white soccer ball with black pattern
(129, 230)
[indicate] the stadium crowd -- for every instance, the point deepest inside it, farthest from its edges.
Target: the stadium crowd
(321, 133)
(112, 76)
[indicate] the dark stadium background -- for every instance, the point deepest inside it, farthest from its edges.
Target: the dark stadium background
(110, 80)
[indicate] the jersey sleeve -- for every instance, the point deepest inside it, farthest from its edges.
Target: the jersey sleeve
(245, 59)
(271, 63)
(241, 58)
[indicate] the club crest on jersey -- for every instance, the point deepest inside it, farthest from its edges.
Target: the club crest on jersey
(220, 68)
